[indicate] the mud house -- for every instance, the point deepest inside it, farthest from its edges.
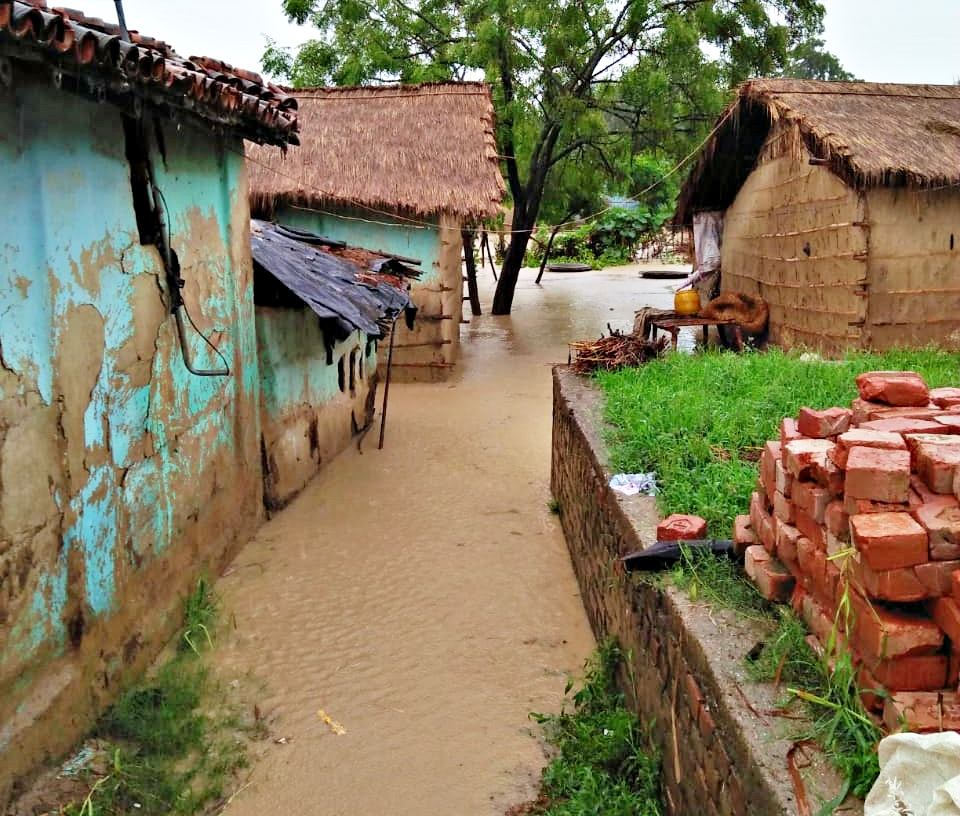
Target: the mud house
(841, 207)
(400, 170)
(321, 308)
(129, 433)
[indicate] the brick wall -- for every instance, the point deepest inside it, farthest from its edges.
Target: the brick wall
(721, 753)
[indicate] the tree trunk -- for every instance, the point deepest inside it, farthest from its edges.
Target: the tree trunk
(468, 258)
(510, 270)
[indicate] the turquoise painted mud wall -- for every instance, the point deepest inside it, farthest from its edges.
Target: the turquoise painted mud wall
(309, 412)
(121, 474)
(395, 237)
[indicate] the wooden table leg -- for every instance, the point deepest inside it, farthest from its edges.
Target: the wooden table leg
(674, 335)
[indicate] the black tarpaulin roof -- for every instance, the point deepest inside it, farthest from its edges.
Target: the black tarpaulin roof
(344, 295)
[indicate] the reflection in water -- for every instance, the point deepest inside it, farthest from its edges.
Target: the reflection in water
(422, 595)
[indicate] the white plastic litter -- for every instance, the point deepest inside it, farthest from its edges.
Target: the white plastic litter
(686, 340)
(630, 484)
(919, 776)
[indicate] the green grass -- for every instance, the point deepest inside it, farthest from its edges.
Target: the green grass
(699, 421)
(175, 742)
(720, 582)
(605, 762)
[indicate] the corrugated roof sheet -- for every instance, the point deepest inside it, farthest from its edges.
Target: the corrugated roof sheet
(147, 70)
(344, 294)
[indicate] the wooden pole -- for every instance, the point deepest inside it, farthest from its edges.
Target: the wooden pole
(472, 290)
(386, 383)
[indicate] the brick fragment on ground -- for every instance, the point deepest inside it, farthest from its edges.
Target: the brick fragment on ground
(800, 455)
(888, 541)
(825, 423)
(682, 527)
(941, 519)
(770, 576)
(878, 474)
(922, 711)
(945, 397)
(883, 633)
(901, 388)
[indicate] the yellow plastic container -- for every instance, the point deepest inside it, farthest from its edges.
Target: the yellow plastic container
(686, 302)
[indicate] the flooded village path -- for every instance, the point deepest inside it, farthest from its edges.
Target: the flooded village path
(422, 596)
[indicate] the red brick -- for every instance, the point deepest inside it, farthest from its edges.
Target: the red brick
(955, 584)
(784, 480)
(864, 438)
(854, 507)
(820, 621)
(824, 424)
(800, 455)
(902, 425)
(783, 507)
(950, 421)
(918, 673)
(768, 468)
(872, 693)
(889, 541)
(935, 459)
(835, 546)
(946, 613)
(680, 527)
(937, 577)
(837, 520)
(898, 585)
(878, 474)
(787, 538)
(956, 483)
(743, 535)
(889, 412)
(945, 397)
(770, 576)
(811, 499)
(920, 487)
(806, 524)
(695, 697)
(789, 430)
(881, 633)
(861, 410)
(828, 476)
(922, 711)
(941, 519)
(905, 388)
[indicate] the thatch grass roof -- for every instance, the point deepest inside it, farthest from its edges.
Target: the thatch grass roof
(422, 150)
(870, 134)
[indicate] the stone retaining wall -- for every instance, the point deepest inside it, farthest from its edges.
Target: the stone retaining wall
(721, 749)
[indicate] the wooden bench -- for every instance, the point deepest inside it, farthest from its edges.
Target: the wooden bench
(672, 322)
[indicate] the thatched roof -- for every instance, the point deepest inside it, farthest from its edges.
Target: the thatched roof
(416, 149)
(870, 134)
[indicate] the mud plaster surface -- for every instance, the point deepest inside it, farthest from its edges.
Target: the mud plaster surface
(423, 595)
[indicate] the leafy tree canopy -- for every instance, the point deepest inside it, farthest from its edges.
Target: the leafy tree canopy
(581, 87)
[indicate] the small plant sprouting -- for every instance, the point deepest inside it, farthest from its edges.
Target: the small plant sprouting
(200, 611)
(554, 505)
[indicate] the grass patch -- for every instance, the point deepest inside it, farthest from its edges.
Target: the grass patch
(605, 761)
(719, 581)
(173, 743)
(698, 420)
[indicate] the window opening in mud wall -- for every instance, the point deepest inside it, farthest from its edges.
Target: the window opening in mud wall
(354, 369)
(341, 375)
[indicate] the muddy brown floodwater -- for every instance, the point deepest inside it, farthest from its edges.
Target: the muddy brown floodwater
(422, 596)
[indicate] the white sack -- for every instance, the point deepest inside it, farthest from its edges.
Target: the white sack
(919, 776)
(707, 237)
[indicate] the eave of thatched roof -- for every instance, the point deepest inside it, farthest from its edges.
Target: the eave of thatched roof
(423, 150)
(869, 134)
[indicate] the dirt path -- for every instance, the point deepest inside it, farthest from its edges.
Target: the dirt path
(422, 595)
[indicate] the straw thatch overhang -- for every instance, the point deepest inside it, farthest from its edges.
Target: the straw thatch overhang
(420, 150)
(869, 134)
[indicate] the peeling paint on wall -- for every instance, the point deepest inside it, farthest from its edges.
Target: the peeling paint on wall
(122, 475)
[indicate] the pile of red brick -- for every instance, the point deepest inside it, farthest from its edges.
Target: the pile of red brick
(877, 486)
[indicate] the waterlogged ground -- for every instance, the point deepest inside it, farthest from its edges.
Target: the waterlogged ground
(421, 597)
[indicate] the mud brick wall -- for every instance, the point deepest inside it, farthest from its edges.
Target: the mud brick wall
(686, 670)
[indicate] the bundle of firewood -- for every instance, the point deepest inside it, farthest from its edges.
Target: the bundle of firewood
(616, 351)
